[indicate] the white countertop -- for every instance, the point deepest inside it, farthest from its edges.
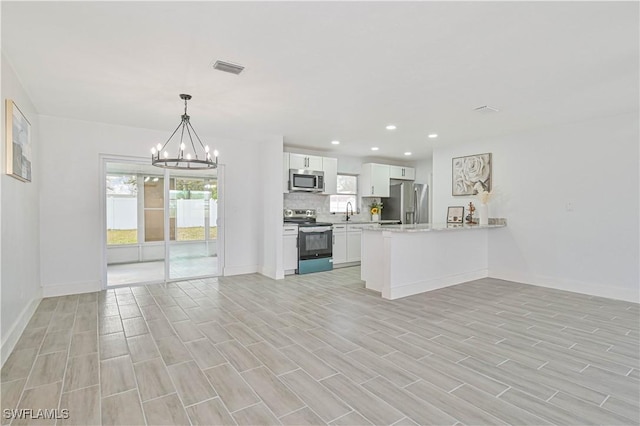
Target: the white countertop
(360, 222)
(428, 227)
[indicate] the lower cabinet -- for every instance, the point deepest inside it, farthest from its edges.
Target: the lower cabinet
(354, 249)
(290, 261)
(346, 243)
(339, 244)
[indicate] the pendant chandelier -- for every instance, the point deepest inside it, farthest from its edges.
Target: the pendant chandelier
(189, 155)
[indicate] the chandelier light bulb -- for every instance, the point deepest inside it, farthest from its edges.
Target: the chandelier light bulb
(188, 156)
(182, 146)
(215, 153)
(153, 151)
(206, 148)
(159, 147)
(165, 154)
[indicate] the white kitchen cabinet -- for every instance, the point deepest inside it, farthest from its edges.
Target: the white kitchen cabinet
(354, 249)
(339, 244)
(311, 162)
(285, 171)
(374, 180)
(303, 161)
(290, 261)
(330, 169)
(401, 172)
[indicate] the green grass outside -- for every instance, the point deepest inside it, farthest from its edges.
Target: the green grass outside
(130, 236)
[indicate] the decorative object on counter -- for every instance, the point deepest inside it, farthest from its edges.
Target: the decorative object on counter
(375, 208)
(18, 140)
(469, 218)
(483, 211)
(471, 174)
(187, 156)
(455, 214)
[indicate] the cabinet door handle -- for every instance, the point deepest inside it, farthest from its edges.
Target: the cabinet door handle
(372, 191)
(334, 240)
(297, 242)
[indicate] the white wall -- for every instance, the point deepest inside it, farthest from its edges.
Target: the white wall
(270, 156)
(570, 195)
(20, 289)
(70, 202)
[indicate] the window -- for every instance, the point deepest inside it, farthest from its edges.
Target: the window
(347, 193)
(122, 209)
(193, 208)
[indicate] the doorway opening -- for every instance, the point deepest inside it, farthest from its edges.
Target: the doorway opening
(160, 225)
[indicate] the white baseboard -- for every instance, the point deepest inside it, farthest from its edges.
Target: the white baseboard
(11, 338)
(410, 289)
(270, 273)
(239, 270)
(593, 289)
(346, 265)
(71, 288)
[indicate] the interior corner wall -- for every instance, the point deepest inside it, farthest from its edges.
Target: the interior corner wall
(570, 195)
(271, 259)
(71, 236)
(20, 290)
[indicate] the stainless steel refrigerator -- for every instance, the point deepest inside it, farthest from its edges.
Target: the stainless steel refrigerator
(408, 202)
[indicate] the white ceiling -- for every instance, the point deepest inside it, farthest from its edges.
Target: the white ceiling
(332, 70)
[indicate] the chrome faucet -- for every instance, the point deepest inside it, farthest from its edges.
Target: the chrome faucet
(349, 204)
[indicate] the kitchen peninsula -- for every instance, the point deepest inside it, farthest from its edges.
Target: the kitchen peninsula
(402, 260)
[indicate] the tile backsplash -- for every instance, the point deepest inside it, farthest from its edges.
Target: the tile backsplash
(302, 200)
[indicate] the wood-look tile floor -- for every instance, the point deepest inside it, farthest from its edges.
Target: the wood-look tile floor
(320, 349)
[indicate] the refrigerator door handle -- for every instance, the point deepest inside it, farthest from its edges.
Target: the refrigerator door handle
(415, 205)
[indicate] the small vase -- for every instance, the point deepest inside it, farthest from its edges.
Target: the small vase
(375, 217)
(483, 212)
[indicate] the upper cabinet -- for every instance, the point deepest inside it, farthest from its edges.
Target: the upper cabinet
(302, 161)
(374, 180)
(330, 169)
(401, 172)
(311, 162)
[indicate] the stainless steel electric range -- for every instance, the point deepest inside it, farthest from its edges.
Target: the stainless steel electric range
(315, 241)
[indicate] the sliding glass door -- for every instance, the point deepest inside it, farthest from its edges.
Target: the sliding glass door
(192, 217)
(160, 225)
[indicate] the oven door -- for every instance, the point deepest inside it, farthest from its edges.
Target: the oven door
(315, 242)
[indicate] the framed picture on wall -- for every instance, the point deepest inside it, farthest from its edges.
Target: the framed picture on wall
(471, 174)
(455, 214)
(18, 143)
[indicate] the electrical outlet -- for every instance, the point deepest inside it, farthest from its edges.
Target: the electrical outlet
(569, 206)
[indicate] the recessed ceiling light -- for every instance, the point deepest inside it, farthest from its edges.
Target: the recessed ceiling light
(335, 142)
(407, 153)
(375, 148)
(391, 127)
(433, 135)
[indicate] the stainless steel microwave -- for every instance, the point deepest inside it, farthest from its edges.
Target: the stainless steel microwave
(306, 180)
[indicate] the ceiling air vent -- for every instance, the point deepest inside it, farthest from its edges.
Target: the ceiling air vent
(486, 109)
(228, 67)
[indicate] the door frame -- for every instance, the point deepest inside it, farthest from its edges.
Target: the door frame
(112, 158)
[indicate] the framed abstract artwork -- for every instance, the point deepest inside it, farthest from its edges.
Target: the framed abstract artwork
(471, 174)
(18, 143)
